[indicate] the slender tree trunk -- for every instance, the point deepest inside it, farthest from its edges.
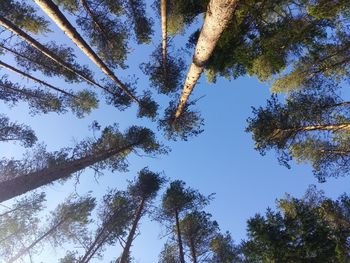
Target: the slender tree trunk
(179, 239)
(218, 16)
(126, 251)
(19, 72)
(62, 22)
(320, 127)
(193, 251)
(163, 12)
(26, 182)
(22, 252)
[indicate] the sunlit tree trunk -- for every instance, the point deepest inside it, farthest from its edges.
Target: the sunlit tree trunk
(62, 22)
(163, 11)
(218, 16)
(126, 251)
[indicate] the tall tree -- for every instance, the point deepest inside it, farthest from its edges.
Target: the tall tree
(55, 14)
(110, 150)
(12, 131)
(81, 103)
(176, 200)
(115, 215)
(19, 222)
(307, 127)
(143, 190)
(224, 250)
(68, 221)
(198, 231)
(219, 14)
(302, 231)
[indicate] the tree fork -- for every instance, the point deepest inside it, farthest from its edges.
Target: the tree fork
(62, 22)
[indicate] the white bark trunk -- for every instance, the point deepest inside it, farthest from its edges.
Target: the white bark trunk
(218, 16)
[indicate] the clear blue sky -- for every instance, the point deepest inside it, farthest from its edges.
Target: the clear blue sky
(221, 160)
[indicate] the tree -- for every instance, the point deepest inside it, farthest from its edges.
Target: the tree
(224, 250)
(19, 222)
(115, 215)
(81, 103)
(218, 16)
(110, 150)
(24, 16)
(176, 200)
(198, 231)
(12, 131)
(68, 222)
(307, 127)
(169, 253)
(301, 231)
(55, 14)
(142, 191)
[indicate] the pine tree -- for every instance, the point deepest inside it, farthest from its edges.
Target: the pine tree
(110, 150)
(67, 222)
(308, 128)
(12, 131)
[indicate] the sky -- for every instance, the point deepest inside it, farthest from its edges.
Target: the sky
(221, 160)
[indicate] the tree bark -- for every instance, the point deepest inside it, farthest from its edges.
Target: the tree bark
(126, 251)
(163, 12)
(179, 239)
(193, 251)
(22, 252)
(218, 16)
(26, 182)
(19, 72)
(62, 22)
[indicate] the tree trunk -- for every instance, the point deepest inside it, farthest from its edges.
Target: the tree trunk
(62, 22)
(22, 252)
(179, 239)
(31, 41)
(163, 12)
(126, 251)
(218, 16)
(320, 127)
(19, 72)
(26, 182)
(193, 251)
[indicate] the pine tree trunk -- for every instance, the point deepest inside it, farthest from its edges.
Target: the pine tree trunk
(218, 16)
(34, 43)
(22, 252)
(163, 11)
(62, 22)
(126, 251)
(179, 239)
(19, 72)
(193, 251)
(26, 182)
(320, 127)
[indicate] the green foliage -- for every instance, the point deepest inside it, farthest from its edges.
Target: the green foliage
(302, 231)
(83, 102)
(169, 254)
(224, 250)
(189, 123)
(148, 107)
(23, 16)
(12, 131)
(164, 82)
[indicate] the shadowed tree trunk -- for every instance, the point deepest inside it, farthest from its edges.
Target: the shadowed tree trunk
(62, 22)
(179, 239)
(126, 251)
(26, 182)
(218, 16)
(19, 72)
